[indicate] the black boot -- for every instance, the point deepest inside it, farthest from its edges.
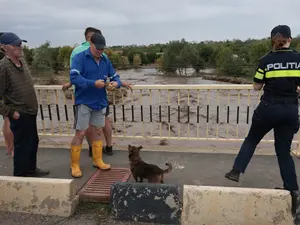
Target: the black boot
(38, 173)
(233, 175)
(108, 150)
(90, 152)
(295, 205)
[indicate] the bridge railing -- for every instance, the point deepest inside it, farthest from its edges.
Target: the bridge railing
(220, 112)
(216, 112)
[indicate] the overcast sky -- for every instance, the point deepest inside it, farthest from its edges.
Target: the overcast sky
(124, 22)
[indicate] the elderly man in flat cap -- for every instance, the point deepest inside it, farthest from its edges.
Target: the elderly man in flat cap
(20, 106)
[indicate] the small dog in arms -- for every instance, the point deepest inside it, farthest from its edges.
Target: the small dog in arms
(142, 170)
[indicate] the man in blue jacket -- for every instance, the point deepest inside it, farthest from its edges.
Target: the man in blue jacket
(89, 72)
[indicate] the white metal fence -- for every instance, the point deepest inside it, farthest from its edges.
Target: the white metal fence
(175, 112)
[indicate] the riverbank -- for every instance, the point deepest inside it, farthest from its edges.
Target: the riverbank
(228, 79)
(209, 76)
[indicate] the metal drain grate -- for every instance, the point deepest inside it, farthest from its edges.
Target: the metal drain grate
(97, 188)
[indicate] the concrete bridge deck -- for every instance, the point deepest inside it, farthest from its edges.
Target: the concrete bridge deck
(189, 168)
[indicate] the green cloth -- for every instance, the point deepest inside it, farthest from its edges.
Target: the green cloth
(84, 46)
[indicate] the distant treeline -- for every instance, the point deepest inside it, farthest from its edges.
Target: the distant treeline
(231, 58)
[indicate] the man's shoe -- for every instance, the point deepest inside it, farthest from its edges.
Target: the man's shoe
(108, 150)
(90, 152)
(233, 175)
(38, 173)
(279, 188)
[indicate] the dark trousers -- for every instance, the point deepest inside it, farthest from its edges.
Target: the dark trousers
(26, 142)
(283, 118)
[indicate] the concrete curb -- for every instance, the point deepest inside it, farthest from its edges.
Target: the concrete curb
(236, 206)
(201, 205)
(158, 203)
(43, 196)
(145, 202)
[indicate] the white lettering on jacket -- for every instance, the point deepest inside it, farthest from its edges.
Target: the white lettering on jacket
(284, 66)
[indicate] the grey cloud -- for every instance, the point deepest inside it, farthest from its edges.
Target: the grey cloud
(143, 22)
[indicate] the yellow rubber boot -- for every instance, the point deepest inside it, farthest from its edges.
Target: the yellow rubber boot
(97, 156)
(75, 158)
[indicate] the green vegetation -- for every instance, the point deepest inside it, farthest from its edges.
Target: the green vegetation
(233, 58)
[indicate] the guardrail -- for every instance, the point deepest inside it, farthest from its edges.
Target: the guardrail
(176, 112)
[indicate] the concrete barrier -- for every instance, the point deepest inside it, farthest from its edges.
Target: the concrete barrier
(235, 206)
(158, 203)
(144, 202)
(43, 196)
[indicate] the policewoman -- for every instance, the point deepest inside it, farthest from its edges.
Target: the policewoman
(278, 73)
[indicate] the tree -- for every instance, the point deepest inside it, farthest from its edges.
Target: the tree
(230, 64)
(173, 56)
(207, 53)
(185, 58)
(115, 59)
(144, 58)
(152, 56)
(42, 57)
(196, 60)
(28, 54)
(160, 63)
(298, 47)
(64, 54)
(108, 52)
(295, 42)
(56, 65)
(130, 56)
(137, 61)
(124, 62)
(257, 50)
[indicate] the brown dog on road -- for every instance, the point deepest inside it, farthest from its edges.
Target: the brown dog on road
(142, 170)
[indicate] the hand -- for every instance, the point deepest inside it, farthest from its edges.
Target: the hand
(110, 86)
(127, 85)
(99, 84)
(298, 89)
(114, 84)
(16, 115)
(66, 86)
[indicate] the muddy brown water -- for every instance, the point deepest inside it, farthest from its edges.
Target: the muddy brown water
(209, 120)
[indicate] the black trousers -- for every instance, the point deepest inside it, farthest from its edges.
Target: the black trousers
(26, 143)
(283, 118)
